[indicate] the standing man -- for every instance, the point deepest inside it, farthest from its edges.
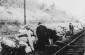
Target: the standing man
(71, 28)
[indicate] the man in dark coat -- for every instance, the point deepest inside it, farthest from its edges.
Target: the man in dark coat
(42, 35)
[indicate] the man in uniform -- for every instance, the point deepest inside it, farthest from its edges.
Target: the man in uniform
(71, 28)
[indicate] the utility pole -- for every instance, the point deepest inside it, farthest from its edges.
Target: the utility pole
(24, 12)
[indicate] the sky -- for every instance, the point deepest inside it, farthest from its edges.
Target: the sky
(74, 8)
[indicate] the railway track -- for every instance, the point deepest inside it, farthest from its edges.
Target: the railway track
(75, 47)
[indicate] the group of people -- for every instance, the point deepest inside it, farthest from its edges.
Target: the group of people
(43, 37)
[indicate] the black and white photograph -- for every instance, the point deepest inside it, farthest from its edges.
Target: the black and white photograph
(42, 27)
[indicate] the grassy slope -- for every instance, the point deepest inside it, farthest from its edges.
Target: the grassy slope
(35, 11)
(13, 10)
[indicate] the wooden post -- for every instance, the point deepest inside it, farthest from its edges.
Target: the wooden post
(24, 12)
